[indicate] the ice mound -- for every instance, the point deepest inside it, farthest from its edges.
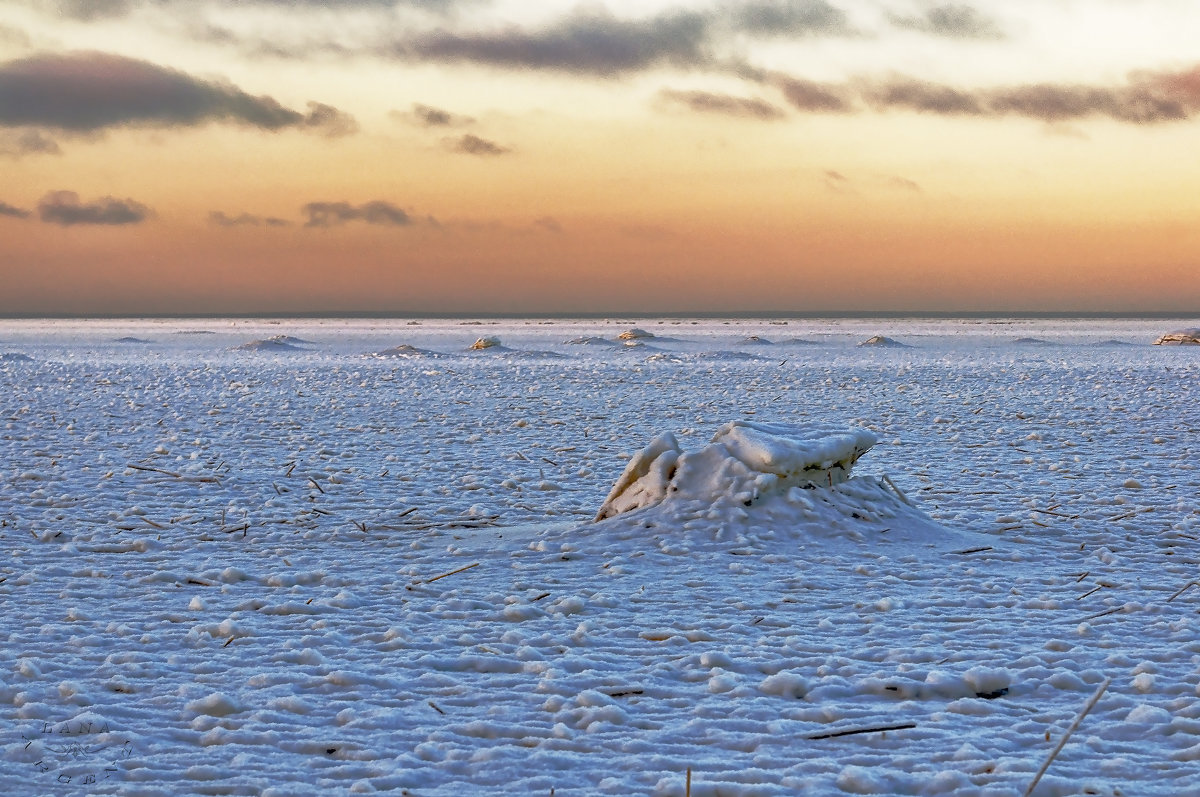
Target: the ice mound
(15, 357)
(883, 342)
(1031, 342)
(635, 334)
(130, 339)
(1180, 337)
(746, 461)
(755, 340)
(274, 343)
(407, 351)
(482, 344)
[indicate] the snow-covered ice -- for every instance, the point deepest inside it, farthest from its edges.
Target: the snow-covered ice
(328, 572)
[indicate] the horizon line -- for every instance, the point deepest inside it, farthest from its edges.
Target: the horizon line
(622, 314)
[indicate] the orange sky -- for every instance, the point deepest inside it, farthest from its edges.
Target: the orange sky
(163, 157)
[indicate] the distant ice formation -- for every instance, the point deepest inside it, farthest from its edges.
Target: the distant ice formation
(482, 344)
(273, 343)
(1180, 337)
(635, 334)
(883, 342)
(406, 350)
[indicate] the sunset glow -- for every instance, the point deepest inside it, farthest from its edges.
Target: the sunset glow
(400, 156)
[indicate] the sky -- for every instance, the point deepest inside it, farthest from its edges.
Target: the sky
(491, 156)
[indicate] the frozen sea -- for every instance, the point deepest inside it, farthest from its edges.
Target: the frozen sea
(291, 557)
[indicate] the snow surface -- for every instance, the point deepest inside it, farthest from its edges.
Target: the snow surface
(236, 573)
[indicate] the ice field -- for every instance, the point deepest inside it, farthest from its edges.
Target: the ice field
(351, 556)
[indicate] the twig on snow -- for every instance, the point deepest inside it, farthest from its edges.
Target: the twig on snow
(1088, 706)
(878, 729)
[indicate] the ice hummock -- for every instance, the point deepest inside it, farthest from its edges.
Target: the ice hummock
(273, 343)
(745, 460)
(1180, 337)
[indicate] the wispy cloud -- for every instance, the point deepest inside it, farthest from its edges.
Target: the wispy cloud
(591, 42)
(429, 116)
(955, 21)
(66, 209)
(724, 104)
(790, 18)
(91, 91)
(28, 142)
(13, 212)
(1147, 98)
(549, 224)
(335, 214)
(470, 144)
(219, 219)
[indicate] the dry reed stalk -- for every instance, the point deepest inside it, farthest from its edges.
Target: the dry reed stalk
(1183, 589)
(451, 573)
(879, 729)
(1087, 707)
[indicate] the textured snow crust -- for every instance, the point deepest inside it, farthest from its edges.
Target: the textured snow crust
(239, 572)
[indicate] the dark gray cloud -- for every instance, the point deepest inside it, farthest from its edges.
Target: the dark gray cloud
(219, 219)
(593, 43)
(65, 208)
(91, 91)
(790, 18)
(953, 21)
(13, 212)
(728, 105)
(28, 142)
(469, 144)
(1147, 98)
(335, 214)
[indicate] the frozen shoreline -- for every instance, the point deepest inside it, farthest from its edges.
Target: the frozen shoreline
(230, 558)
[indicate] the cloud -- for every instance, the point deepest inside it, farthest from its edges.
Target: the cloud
(14, 37)
(792, 17)
(94, 10)
(915, 95)
(708, 102)
(593, 43)
(548, 223)
(335, 214)
(428, 116)
(28, 142)
(64, 208)
(807, 95)
(91, 91)
(220, 219)
(952, 21)
(1147, 98)
(13, 212)
(470, 144)
(903, 184)
(91, 10)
